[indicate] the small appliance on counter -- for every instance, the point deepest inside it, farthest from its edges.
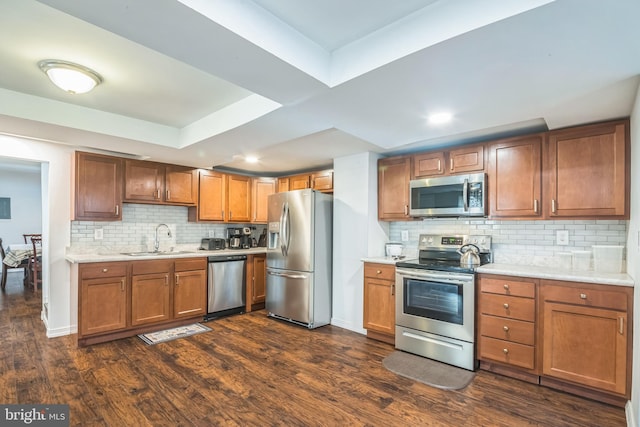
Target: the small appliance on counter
(212, 244)
(239, 237)
(394, 250)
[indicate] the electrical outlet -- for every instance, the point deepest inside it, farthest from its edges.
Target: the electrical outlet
(98, 234)
(404, 235)
(562, 237)
(212, 233)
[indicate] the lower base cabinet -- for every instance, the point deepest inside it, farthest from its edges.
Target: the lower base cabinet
(581, 343)
(123, 299)
(379, 311)
(256, 282)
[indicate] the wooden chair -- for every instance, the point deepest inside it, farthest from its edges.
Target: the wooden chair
(27, 237)
(35, 263)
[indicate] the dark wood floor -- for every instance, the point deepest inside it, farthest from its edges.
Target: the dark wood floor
(253, 370)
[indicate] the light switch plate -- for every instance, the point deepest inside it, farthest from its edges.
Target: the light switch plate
(98, 234)
(562, 237)
(404, 235)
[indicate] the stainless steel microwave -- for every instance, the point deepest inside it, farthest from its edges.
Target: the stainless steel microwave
(457, 195)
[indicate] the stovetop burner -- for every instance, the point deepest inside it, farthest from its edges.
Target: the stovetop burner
(439, 253)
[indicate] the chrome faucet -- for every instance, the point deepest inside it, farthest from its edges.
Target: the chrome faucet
(156, 243)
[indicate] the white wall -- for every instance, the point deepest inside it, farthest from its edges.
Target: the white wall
(357, 234)
(22, 186)
(633, 260)
(56, 201)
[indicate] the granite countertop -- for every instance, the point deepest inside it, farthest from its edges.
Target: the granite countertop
(543, 272)
(80, 258)
(382, 260)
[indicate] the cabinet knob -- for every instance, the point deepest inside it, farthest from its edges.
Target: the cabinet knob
(506, 306)
(378, 272)
(506, 328)
(583, 296)
(506, 287)
(505, 350)
(104, 270)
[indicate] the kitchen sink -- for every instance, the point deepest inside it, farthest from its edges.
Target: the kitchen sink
(154, 253)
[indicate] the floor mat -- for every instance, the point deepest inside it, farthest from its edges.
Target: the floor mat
(173, 333)
(428, 371)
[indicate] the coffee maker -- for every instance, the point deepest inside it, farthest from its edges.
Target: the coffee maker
(239, 237)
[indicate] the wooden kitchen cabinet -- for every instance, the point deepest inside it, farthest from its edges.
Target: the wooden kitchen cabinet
(299, 182)
(515, 177)
(238, 198)
(460, 160)
(222, 198)
(261, 189)
(319, 180)
(507, 322)
(157, 183)
(190, 288)
(97, 187)
(394, 174)
(379, 301)
(587, 337)
(283, 184)
(588, 171)
(322, 181)
(102, 298)
(256, 281)
(151, 285)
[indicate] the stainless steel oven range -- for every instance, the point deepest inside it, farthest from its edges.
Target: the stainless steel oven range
(435, 300)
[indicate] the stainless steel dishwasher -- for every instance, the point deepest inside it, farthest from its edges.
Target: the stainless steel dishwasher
(226, 285)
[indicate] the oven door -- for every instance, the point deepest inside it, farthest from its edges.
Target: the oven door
(437, 302)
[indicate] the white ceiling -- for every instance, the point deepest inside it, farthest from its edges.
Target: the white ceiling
(298, 83)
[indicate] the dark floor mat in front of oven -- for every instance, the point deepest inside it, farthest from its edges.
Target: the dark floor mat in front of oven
(428, 371)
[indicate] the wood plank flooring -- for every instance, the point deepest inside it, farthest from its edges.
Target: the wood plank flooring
(253, 370)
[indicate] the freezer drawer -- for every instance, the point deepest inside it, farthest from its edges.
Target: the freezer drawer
(289, 295)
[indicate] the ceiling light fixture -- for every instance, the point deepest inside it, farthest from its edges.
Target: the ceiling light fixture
(440, 118)
(70, 77)
(251, 159)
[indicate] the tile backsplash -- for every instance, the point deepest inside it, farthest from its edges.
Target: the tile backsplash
(519, 242)
(137, 229)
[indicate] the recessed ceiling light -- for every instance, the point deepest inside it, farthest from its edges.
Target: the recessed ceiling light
(440, 118)
(70, 77)
(251, 159)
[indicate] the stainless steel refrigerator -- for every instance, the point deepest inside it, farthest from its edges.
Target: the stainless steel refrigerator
(299, 251)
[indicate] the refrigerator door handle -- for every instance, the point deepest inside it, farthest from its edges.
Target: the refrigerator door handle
(282, 230)
(290, 276)
(287, 220)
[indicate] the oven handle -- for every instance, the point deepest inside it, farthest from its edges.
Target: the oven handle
(444, 278)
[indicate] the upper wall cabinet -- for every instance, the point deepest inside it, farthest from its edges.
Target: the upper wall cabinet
(588, 171)
(239, 198)
(222, 198)
(261, 189)
(515, 177)
(460, 160)
(97, 187)
(394, 174)
(320, 180)
(157, 183)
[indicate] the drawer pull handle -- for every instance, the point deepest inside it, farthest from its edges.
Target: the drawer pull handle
(505, 350)
(378, 272)
(506, 328)
(506, 306)
(583, 296)
(506, 287)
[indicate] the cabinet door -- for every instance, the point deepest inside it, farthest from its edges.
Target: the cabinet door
(262, 188)
(190, 294)
(588, 171)
(466, 159)
(322, 181)
(211, 196)
(394, 174)
(515, 177)
(150, 298)
(238, 198)
(428, 164)
(379, 305)
(283, 185)
(299, 182)
(103, 305)
(143, 181)
(258, 291)
(98, 187)
(585, 345)
(180, 185)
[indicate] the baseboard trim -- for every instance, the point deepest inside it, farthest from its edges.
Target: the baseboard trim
(628, 411)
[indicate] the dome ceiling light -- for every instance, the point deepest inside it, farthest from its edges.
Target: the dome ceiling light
(70, 77)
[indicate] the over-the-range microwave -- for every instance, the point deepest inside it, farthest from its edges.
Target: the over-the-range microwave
(457, 195)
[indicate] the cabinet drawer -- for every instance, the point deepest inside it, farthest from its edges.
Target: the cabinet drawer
(507, 329)
(152, 266)
(380, 271)
(507, 352)
(586, 296)
(94, 271)
(188, 264)
(507, 306)
(508, 287)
